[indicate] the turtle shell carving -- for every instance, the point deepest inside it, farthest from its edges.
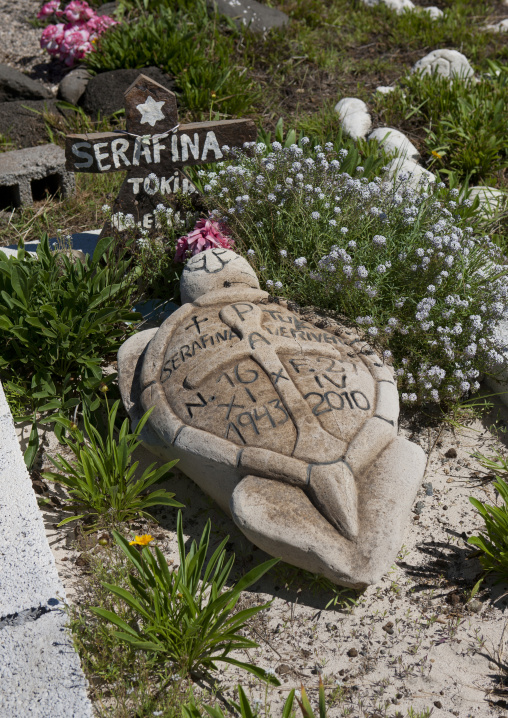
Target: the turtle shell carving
(277, 419)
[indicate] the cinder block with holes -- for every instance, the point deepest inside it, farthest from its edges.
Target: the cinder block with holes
(28, 175)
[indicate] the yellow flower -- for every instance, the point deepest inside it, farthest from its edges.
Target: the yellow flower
(142, 540)
(213, 94)
(436, 154)
(103, 387)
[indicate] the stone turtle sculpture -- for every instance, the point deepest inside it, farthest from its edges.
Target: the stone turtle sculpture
(290, 428)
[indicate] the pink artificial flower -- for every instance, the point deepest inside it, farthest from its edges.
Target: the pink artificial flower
(73, 37)
(206, 234)
(52, 37)
(101, 23)
(78, 11)
(70, 42)
(48, 9)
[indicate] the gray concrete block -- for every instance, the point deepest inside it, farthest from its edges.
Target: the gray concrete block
(26, 174)
(40, 673)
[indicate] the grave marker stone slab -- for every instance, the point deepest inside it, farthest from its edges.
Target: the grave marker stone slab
(153, 149)
(290, 428)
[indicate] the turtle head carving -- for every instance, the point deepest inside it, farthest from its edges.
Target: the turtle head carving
(291, 428)
(215, 269)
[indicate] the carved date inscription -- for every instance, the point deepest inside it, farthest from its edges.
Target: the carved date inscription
(247, 373)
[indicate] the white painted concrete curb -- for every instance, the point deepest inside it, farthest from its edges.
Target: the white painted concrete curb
(40, 672)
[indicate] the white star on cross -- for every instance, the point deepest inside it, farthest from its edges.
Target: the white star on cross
(151, 111)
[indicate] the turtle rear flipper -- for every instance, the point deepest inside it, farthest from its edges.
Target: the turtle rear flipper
(333, 491)
(301, 535)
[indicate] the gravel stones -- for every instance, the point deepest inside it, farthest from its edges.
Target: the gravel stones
(291, 429)
(355, 119)
(252, 14)
(448, 63)
(394, 142)
(14, 85)
(73, 85)
(104, 93)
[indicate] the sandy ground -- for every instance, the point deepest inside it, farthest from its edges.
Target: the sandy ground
(411, 642)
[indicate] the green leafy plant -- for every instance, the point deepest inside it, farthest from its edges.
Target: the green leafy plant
(465, 121)
(187, 615)
(493, 542)
(246, 710)
(59, 320)
(101, 481)
(401, 261)
(185, 41)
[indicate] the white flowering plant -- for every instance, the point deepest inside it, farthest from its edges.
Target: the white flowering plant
(154, 249)
(400, 260)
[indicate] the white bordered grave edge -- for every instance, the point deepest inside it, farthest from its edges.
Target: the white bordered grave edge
(40, 672)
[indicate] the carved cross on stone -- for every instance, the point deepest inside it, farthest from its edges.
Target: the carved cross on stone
(153, 149)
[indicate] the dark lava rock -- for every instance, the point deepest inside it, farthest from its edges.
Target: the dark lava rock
(22, 122)
(438, 704)
(352, 653)
(73, 85)
(453, 599)
(451, 453)
(419, 506)
(104, 93)
(16, 86)
(251, 14)
(388, 627)
(282, 669)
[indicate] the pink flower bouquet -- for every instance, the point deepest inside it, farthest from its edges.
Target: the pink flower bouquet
(207, 234)
(74, 36)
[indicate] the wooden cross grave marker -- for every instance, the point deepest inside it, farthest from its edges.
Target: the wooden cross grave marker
(153, 161)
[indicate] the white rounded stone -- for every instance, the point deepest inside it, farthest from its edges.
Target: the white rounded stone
(355, 119)
(215, 269)
(498, 26)
(385, 89)
(394, 142)
(399, 6)
(416, 173)
(448, 63)
(434, 12)
(491, 199)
